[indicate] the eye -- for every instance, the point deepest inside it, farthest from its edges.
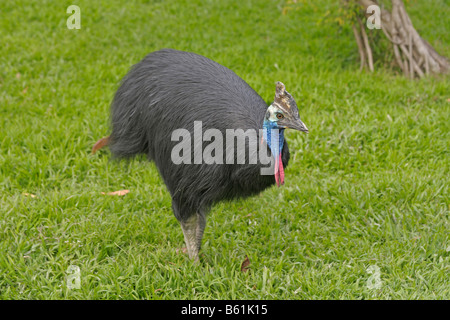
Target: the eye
(280, 115)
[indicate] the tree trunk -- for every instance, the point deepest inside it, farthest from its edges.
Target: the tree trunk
(413, 54)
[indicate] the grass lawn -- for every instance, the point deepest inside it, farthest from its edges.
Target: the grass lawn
(369, 186)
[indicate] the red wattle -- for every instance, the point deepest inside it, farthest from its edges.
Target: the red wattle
(281, 170)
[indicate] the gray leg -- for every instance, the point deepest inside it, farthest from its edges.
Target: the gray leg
(193, 233)
(201, 223)
(190, 230)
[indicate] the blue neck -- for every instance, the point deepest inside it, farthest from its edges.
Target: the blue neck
(275, 147)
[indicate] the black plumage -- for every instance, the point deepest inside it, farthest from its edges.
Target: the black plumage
(169, 90)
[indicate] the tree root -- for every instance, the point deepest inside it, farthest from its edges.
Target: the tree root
(413, 54)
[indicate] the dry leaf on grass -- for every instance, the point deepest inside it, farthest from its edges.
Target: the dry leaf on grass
(117, 193)
(100, 144)
(245, 264)
(29, 195)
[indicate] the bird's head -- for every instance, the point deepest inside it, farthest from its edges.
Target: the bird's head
(283, 112)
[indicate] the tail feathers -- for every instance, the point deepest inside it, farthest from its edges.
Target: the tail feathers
(100, 144)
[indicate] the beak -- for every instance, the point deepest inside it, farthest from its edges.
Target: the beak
(297, 124)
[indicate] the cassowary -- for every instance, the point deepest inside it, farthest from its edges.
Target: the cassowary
(170, 90)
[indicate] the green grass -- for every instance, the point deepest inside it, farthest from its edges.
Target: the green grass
(368, 185)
